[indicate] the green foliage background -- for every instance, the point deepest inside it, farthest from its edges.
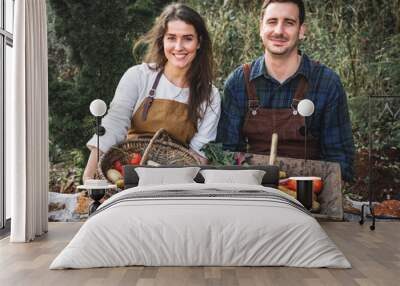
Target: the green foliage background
(90, 46)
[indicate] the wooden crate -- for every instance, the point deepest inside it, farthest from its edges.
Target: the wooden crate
(331, 197)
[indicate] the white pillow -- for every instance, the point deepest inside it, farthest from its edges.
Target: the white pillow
(248, 177)
(166, 176)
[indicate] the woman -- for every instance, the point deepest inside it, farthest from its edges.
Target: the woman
(171, 90)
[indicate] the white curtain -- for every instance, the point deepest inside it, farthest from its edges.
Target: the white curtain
(27, 123)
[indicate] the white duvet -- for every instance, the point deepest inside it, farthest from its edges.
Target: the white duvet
(207, 230)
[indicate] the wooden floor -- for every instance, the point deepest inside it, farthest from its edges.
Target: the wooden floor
(375, 256)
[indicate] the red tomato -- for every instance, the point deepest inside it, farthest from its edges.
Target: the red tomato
(317, 185)
(117, 165)
(135, 160)
(291, 184)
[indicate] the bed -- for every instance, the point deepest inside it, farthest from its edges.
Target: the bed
(194, 224)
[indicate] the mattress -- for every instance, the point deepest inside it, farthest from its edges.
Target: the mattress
(201, 225)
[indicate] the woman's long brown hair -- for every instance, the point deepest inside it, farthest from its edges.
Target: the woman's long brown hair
(200, 73)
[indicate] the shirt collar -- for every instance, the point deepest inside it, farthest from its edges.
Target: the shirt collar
(258, 68)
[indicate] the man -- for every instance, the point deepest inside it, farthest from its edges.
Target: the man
(261, 99)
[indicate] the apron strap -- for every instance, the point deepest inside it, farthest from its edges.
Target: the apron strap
(301, 89)
(250, 88)
(149, 100)
(300, 92)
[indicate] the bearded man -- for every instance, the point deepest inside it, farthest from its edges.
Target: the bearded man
(261, 98)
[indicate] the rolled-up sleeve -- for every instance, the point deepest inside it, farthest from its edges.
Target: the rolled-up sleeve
(207, 127)
(118, 118)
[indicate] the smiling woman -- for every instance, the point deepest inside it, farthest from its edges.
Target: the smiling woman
(180, 47)
(172, 89)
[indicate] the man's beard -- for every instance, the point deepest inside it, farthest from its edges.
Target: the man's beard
(278, 51)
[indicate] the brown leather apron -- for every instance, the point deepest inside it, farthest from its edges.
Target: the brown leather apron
(154, 114)
(260, 123)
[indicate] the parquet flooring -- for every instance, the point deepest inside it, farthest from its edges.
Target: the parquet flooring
(375, 257)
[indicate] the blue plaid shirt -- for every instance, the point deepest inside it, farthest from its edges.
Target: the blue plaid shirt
(330, 121)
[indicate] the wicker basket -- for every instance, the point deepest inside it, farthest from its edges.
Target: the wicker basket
(160, 149)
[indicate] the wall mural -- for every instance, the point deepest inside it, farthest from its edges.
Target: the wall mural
(87, 59)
